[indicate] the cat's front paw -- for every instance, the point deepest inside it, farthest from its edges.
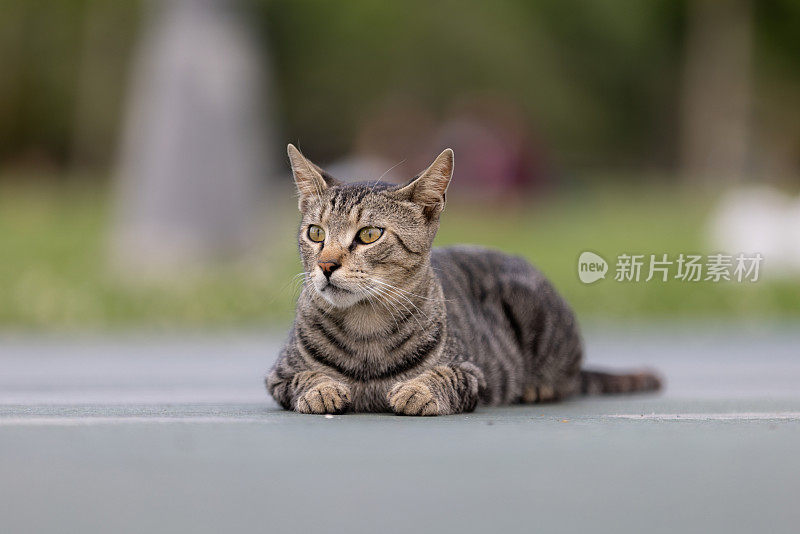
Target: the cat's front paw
(326, 397)
(414, 397)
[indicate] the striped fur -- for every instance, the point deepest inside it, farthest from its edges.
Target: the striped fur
(406, 328)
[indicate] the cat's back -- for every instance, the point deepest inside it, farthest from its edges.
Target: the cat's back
(508, 319)
(472, 272)
(487, 292)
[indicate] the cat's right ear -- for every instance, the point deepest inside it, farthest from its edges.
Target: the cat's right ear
(310, 179)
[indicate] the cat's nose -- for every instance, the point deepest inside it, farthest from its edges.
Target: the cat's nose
(328, 267)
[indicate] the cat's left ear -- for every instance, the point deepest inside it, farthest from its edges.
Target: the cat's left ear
(310, 179)
(428, 189)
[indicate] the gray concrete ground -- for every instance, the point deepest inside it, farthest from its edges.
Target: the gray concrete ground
(155, 434)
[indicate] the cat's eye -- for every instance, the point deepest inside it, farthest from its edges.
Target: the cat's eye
(370, 234)
(316, 233)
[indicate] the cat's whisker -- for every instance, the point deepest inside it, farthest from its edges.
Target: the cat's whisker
(392, 308)
(382, 301)
(378, 280)
(394, 299)
(413, 306)
(305, 284)
(384, 298)
(395, 291)
(299, 279)
(293, 282)
(392, 315)
(387, 172)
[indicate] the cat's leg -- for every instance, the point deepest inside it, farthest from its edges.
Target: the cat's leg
(441, 390)
(548, 337)
(551, 392)
(308, 391)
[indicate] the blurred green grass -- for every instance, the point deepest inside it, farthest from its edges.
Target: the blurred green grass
(54, 273)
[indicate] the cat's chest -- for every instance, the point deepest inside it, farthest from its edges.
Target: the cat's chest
(370, 396)
(365, 326)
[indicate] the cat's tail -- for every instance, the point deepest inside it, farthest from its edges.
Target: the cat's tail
(598, 382)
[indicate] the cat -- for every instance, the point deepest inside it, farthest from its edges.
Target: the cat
(386, 323)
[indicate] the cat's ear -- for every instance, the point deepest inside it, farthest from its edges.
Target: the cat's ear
(310, 179)
(428, 189)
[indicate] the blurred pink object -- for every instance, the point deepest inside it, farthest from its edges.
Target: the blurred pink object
(495, 153)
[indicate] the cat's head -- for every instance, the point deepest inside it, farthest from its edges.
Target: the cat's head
(361, 240)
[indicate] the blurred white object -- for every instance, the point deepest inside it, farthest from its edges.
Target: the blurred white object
(193, 163)
(759, 219)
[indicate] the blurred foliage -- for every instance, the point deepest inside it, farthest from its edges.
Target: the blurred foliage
(51, 239)
(65, 64)
(598, 83)
(597, 80)
(598, 77)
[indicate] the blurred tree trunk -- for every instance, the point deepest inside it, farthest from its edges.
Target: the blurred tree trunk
(107, 36)
(716, 99)
(190, 182)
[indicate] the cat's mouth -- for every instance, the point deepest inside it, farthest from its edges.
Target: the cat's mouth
(332, 290)
(337, 295)
(330, 286)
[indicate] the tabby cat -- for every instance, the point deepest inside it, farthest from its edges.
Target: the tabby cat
(385, 323)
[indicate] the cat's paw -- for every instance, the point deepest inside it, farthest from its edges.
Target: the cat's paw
(326, 397)
(413, 397)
